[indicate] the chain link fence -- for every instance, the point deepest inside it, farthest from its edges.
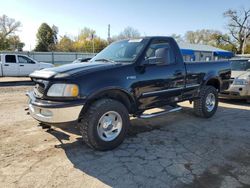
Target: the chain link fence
(56, 58)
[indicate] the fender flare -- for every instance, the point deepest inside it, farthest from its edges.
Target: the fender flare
(215, 78)
(101, 92)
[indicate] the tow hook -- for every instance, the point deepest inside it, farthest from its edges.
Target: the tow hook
(27, 110)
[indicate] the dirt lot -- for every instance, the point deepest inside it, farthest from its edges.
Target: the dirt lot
(177, 150)
(14, 79)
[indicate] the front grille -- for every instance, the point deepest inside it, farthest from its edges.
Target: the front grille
(39, 90)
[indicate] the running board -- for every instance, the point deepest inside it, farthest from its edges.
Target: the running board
(147, 116)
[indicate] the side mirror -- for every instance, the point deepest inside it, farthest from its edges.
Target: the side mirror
(161, 57)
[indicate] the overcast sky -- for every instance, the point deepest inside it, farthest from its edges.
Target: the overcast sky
(150, 17)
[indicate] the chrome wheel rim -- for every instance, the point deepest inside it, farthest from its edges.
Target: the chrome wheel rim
(109, 126)
(210, 102)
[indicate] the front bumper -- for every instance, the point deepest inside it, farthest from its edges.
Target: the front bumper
(237, 92)
(53, 112)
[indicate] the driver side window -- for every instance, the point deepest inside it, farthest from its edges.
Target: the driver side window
(156, 44)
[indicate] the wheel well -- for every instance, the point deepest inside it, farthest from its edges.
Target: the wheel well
(118, 95)
(214, 82)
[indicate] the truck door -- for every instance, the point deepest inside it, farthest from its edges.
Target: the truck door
(26, 65)
(10, 66)
(162, 83)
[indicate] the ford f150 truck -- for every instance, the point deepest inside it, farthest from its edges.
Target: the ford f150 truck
(19, 65)
(126, 78)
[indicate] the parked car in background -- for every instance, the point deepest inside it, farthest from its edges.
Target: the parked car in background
(81, 60)
(127, 77)
(240, 80)
(19, 65)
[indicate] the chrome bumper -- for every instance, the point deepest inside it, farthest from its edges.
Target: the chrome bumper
(53, 115)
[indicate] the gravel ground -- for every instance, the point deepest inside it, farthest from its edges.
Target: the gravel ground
(176, 150)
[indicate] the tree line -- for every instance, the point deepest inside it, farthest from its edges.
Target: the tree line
(85, 41)
(236, 39)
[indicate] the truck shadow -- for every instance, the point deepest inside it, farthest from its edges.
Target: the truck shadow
(241, 102)
(16, 83)
(64, 133)
(168, 151)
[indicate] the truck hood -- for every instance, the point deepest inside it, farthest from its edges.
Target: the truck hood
(245, 75)
(236, 74)
(71, 69)
(43, 65)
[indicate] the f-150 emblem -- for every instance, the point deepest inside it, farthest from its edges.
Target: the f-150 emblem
(131, 77)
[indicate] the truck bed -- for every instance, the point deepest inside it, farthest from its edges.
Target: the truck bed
(206, 69)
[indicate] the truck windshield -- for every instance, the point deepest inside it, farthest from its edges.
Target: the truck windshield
(240, 65)
(121, 51)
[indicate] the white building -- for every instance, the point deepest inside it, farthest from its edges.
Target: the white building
(200, 52)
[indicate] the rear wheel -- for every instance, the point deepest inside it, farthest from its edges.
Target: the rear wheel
(207, 104)
(105, 124)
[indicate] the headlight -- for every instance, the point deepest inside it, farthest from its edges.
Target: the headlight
(240, 82)
(63, 90)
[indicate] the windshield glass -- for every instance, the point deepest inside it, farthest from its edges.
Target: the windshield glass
(122, 51)
(240, 65)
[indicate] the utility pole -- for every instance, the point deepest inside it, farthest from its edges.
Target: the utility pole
(109, 39)
(91, 38)
(93, 46)
(245, 41)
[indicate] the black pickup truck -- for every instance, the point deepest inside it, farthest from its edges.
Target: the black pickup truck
(126, 78)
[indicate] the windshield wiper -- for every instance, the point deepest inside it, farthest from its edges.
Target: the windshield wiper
(105, 59)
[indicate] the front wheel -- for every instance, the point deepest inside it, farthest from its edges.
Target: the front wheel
(105, 124)
(207, 104)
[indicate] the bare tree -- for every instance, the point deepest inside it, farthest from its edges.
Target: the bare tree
(238, 27)
(8, 26)
(204, 36)
(193, 37)
(177, 37)
(8, 39)
(129, 33)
